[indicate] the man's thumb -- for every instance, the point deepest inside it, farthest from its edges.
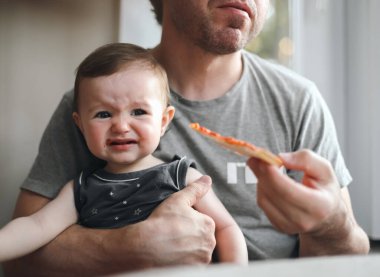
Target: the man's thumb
(195, 191)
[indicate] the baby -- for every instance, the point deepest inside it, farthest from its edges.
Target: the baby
(122, 109)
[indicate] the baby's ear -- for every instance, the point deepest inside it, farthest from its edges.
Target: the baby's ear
(167, 117)
(77, 121)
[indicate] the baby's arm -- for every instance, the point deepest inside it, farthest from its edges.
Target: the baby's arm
(24, 235)
(230, 243)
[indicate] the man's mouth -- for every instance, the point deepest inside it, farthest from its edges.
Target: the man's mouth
(239, 6)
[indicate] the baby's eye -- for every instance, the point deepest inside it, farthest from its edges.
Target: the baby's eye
(137, 112)
(103, 114)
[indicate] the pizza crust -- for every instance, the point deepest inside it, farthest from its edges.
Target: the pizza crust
(238, 146)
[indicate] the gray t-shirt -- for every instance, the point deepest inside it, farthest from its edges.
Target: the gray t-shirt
(269, 106)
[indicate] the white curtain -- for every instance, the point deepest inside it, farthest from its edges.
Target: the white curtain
(337, 44)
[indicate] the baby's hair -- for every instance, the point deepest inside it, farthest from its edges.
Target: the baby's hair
(110, 58)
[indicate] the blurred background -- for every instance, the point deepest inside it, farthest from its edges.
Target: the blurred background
(333, 42)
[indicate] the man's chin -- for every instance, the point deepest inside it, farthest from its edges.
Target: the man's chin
(230, 41)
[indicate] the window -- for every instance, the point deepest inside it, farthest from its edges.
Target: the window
(274, 42)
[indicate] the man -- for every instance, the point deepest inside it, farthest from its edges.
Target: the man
(235, 93)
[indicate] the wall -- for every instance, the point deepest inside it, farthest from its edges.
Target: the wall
(41, 43)
(146, 31)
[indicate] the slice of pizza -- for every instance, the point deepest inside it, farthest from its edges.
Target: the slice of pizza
(238, 146)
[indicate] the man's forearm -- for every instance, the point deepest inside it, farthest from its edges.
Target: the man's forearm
(348, 239)
(78, 251)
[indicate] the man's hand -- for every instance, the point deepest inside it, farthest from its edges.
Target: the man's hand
(177, 233)
(318, 209)
(294, 208)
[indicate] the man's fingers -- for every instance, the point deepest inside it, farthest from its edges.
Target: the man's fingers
(260, 168)
(193, 192)
(310, 163)
(254, 163)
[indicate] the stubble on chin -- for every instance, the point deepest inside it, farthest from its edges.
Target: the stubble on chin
(224, 41)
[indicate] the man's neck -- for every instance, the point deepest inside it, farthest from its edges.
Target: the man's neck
(196, 74)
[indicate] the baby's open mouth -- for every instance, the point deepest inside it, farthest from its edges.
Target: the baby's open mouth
(120, 142)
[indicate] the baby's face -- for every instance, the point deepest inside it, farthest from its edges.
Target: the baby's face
(122, 116)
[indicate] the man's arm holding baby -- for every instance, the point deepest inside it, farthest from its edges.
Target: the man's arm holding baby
(187, 239)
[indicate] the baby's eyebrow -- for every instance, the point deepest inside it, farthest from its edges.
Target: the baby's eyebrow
(96, 108)
(140, 104)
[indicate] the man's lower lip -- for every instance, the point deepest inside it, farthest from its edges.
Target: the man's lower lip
(235, 11)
